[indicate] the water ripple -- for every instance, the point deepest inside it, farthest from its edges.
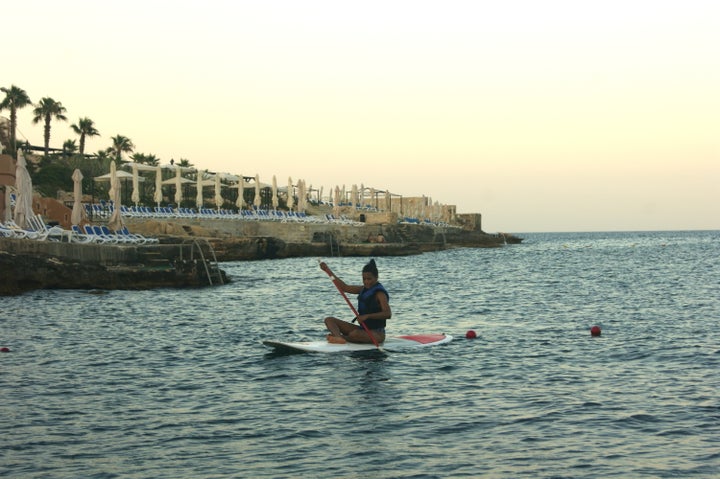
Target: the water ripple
(171, 384)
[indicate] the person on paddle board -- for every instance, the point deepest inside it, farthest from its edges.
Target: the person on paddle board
(373, 309)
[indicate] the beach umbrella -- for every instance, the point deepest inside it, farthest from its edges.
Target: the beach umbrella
(77, 211)
(178, 185)
(354, 195)
(218, 192)
(113, 177)
(302, 196)
(290, 194)
(257, 201)
(135, 198)
(241, 193)
(336, 204)
(116, 220)
(8, 205)
(158, 185)
(274, 193)
(23, 185)
(199, 196)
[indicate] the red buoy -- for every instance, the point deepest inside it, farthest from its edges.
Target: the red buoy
(595, 331)
(470, 334)
(4, 350)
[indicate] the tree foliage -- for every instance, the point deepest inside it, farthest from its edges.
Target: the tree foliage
(15, 98)
(47, 110)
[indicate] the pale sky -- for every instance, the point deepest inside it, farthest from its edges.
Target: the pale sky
(540, 115)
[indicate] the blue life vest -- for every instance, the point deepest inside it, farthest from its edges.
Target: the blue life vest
(368, 304)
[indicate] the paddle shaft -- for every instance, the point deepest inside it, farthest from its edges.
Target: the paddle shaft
(352, 308)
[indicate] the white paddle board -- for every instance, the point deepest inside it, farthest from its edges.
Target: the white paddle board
(392, 343)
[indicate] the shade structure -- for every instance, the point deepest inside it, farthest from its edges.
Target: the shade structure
(257, 201)
(274, 193)
(23, 185)
(218, 193)
(290, 194)
(77, 211)
(135, 198)
(122, 175)
(158, 185)
(173, 181)
(116, 220)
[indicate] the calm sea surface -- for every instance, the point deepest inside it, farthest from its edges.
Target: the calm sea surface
(176, 383)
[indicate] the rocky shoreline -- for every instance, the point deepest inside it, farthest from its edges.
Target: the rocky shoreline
(190, 252)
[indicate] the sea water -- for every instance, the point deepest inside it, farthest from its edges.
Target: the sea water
(176, 383)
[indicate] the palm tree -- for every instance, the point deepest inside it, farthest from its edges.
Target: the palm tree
(103, 156)
(47, 110)
(185, 163)
(121, 144)
(69, 147)
(151, 159)
(15, 98)
(85, 127)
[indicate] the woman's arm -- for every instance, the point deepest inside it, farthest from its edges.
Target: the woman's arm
(348, 288)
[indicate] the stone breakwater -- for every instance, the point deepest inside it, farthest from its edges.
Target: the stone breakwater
(179, 259)
(249, 240)
(28, 265)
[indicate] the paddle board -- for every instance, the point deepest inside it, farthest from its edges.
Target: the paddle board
(392, 343)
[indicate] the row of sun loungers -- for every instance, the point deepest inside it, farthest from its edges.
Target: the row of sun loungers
(426, 222)
(101, 234)
(105, 210)
(166, 212)
(39, 231)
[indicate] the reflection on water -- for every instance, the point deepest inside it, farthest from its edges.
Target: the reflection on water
(176, 383)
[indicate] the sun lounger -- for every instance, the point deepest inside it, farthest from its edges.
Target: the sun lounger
(78, 236)
(54, 233)
(118, 238)
(11, 230)
(136, 238)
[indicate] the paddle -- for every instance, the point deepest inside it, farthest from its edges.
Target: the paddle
(352, 308)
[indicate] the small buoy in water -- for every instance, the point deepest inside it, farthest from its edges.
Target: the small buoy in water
(595, 331)
(470, 334)
(4, 350)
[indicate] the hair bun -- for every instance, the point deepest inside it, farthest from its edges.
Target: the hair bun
(371, 267)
